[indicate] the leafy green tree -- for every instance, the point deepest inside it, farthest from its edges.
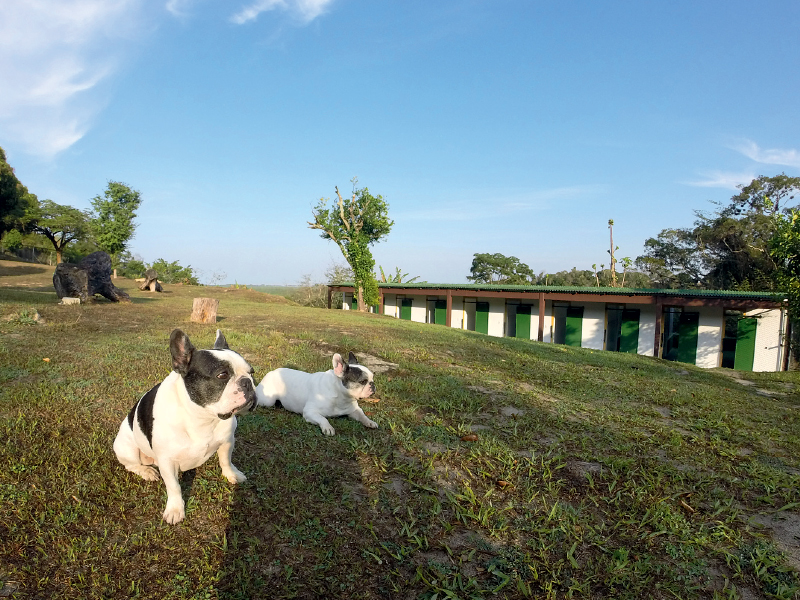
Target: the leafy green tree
(728, 249)
(398, 277)
(129, 266)
(771, 196)
(15, 200)
(59, 223)
(354, 225)
(500, 269)
(172, 272)
(673, 260)
(785, 250)
(114, 213)
(12, 241)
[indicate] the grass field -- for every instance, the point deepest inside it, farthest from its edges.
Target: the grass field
(502, 468)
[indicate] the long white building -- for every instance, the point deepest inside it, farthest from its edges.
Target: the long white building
(747, 331)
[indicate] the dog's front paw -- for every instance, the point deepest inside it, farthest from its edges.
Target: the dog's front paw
(147, 473)
(174, 513)
(371, 424)
(327, 429)
(234, 475)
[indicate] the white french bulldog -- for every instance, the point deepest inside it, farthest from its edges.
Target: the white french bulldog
(183, 420)
(332, 393)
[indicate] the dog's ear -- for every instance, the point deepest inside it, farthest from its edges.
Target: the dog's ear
(220, 343)
(339, 366)
(352, 359)
(181, 349)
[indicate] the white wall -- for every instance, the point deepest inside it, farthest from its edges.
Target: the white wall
(709, 336)
(390, 305)
(419, 308)
(594, 324)
(768, 339)
(647, 328)
(457, 314)
(497, 316)
(547, 335)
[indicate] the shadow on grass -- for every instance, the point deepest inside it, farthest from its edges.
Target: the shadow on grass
(296, 530)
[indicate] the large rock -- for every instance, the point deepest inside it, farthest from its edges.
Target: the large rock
(91, 276)
(151, 282)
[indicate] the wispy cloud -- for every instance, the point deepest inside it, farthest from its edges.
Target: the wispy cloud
(503, 206)
(306, 10)
(53, 56)
(720, 179)
(179, 8)
(773, 156)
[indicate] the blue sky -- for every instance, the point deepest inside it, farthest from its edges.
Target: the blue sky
(518, 127)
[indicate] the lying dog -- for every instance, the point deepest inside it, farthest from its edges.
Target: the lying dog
(332, 393)
(183, 420)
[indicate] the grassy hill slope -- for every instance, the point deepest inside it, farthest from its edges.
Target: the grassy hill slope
(502, 468)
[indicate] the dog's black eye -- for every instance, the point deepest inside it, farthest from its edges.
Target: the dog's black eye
(223, 375)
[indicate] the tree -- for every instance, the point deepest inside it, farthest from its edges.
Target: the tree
(354, 225)
(672, 259)
(785, 250)
(397, 277)
(58, 223)
(770, 196)
(728, 249)
(15, 200)
(499, 269)
(611, 252)
(172, 272)
(114, 213)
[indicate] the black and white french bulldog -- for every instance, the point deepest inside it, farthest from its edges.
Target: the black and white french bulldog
(183, 420)
(332, 393)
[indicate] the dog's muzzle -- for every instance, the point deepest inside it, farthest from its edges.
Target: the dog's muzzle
(245, 386)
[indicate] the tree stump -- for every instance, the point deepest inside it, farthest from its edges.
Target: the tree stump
(151, 282)
(204, 310)
(91, 276)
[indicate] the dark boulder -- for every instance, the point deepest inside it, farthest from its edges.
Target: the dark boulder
(91, 276)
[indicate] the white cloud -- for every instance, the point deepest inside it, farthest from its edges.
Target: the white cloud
(473, 210)
(775, 156)
(720, 179)
(53, 56)
(178, 8)
(306, 10)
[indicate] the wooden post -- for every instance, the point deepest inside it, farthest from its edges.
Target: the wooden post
(330, 294)
(659, 314)
(204, 310)
(540, 333)
(449, 314)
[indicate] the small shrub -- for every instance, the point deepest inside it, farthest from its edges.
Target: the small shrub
(12, 241)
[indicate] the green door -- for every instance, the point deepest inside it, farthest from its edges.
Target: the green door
(523, 322)
(687, 337)
(405, 309)
(440, 312)
(629, 331)
(354, 303)
(574, 326)
(482, 317)
(745, 344)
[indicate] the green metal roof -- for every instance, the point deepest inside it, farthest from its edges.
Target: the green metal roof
(476, 287)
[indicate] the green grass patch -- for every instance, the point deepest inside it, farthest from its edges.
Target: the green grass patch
(591, 474)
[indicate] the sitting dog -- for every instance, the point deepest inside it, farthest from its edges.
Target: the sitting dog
(332, 393)
(183, 420)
